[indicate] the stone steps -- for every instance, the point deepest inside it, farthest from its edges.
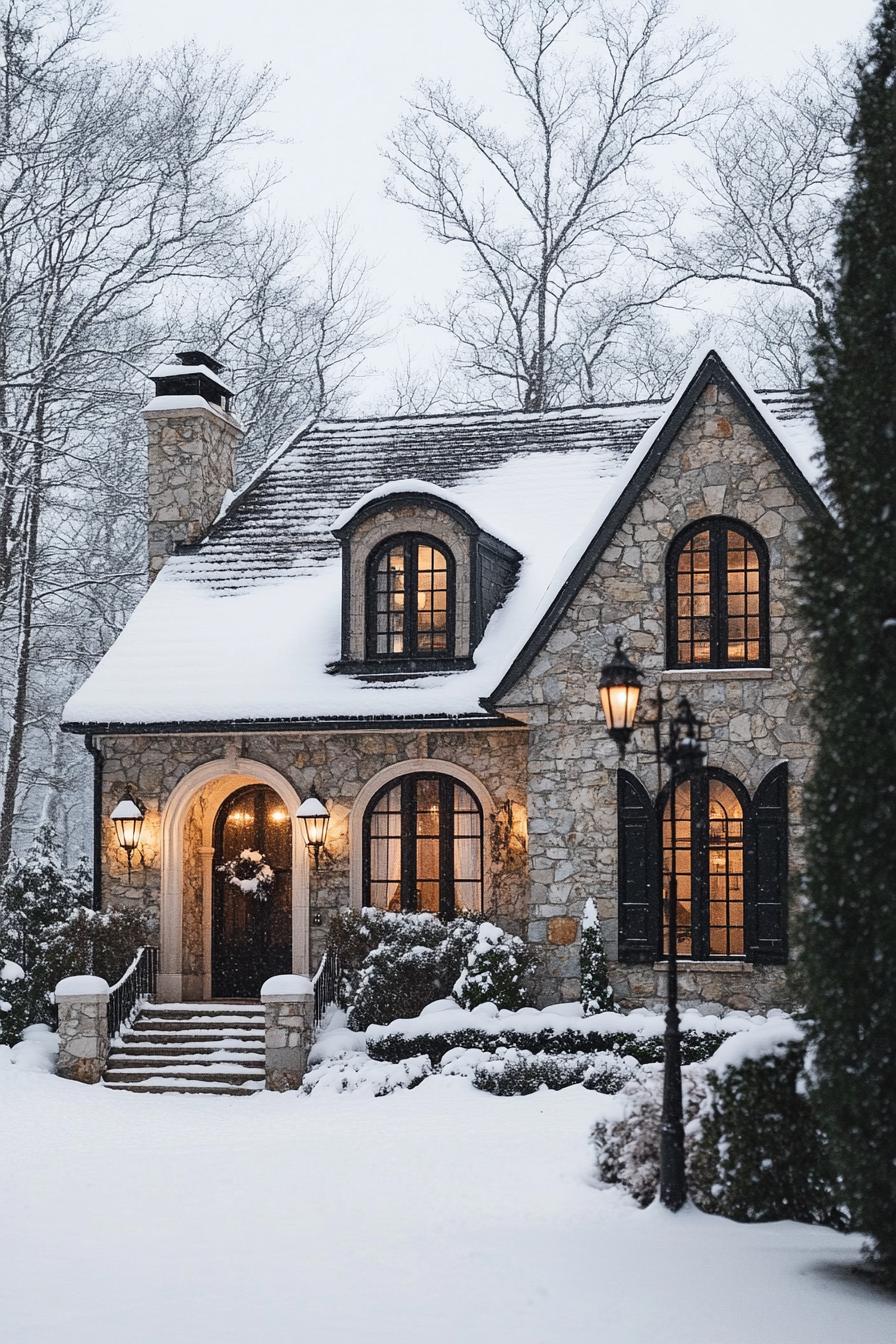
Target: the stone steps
(191, 1048)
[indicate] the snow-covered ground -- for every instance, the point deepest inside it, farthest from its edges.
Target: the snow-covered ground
(440, 1214)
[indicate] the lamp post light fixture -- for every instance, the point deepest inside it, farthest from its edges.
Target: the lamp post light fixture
(683, 752)
(315, 819)
(128, 819)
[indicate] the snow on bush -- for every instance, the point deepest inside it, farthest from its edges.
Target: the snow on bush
(356, 1072)
(516, 1073)
(757, 1150)
(444, 1026)
(498, 970)
(393, 965)
(50, 931)
(597, 996)
(13, 1001)
(753, 1148)
(627, 1147)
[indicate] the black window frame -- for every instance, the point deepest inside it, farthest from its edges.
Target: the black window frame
(765, 866)
(698, 782)
(448, 908)
(717, 527)
(411, 654)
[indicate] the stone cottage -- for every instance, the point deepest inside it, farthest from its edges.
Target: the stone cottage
(406, 619)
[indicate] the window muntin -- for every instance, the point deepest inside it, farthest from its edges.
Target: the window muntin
(411, 600)
(709, 868)
(718, 597)
(423, 847)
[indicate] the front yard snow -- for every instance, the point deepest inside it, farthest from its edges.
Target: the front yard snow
(437, 1212)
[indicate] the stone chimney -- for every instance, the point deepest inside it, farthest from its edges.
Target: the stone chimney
(193, 439)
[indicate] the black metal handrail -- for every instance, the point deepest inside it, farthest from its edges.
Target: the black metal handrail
(138, 983)
(326, 984)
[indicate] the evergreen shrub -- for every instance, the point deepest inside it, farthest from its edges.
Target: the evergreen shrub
(498, 969)
(597, 995)
(516, 1073)
(758, 1152)
(49, 930)
(847, 942)
(643, 1049)
(396, 964)
(753, 1146)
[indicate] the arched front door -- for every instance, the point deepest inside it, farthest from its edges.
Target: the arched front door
(251, 936)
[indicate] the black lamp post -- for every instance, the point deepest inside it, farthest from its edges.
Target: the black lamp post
(683, 752)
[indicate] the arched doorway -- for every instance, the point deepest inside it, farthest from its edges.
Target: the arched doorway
(251, 936)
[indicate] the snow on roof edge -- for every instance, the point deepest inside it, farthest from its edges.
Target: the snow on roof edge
(409, 486)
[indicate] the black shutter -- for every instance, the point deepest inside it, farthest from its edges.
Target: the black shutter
(638, 871)
(767, 870)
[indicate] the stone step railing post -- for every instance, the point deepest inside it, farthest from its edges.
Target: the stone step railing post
(82, 1001)
(288, 1030)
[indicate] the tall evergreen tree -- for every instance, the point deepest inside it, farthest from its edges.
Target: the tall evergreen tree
(849, 599)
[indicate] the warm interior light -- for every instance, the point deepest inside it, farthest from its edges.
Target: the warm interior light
(278, 815)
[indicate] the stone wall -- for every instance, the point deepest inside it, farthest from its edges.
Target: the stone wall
(336, 765)
(190, 464)
(716, 465)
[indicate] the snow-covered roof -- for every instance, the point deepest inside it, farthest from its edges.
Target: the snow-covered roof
(243, 627)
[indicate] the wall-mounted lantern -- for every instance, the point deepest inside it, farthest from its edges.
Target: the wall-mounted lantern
(620, 690)
(315, 819)
(128, 818)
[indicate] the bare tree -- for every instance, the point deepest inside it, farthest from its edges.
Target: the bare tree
(293, 320)
(552, 214)
(767, 191)
(110, 187)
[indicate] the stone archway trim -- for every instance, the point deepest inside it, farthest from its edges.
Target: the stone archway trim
(226, 770)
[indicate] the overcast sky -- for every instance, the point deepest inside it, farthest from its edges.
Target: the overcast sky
(348, 64)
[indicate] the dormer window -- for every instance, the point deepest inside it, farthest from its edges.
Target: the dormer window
(410, 605)
(420, 582)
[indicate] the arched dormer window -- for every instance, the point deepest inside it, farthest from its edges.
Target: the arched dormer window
(410, 599)
(717, 596)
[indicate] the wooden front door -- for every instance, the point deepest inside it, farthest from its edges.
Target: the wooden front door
(251, 937)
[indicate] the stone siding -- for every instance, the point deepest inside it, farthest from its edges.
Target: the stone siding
(190, 465)
(337, 765)
(716, 465)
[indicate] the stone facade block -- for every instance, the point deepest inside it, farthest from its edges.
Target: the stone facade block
(289, 1030)
(82, 1002)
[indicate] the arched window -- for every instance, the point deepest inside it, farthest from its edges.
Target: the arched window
(717, 596)
(709, 838)
(410, 599)
(730, 853)
(423, 846)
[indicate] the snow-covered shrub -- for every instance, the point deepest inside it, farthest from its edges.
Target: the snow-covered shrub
(594, 973)
(355, 1072)
(51, 932)
(395, 964)
(497, 970)
(627, 1147)
(431, 1038)
(757, 1152)
(13, 1001)
(516, 1073)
